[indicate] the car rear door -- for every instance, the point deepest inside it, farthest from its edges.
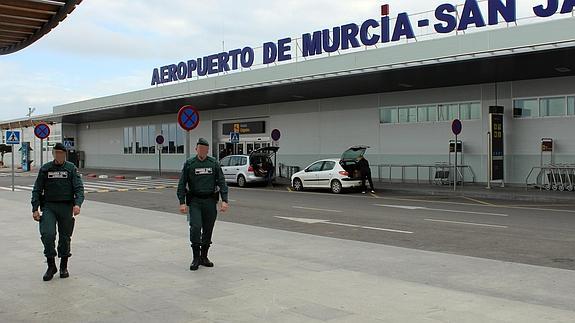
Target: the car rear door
(326, 174)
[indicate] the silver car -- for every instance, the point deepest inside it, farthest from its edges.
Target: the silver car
(252, 168)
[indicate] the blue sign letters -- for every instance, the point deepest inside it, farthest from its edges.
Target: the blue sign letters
(370, 33)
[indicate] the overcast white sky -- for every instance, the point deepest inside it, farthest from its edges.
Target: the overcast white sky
(107, 47)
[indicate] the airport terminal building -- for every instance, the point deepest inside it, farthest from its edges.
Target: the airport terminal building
(398, 96)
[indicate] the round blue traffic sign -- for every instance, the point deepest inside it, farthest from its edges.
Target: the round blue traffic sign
(42, 131)
(160, 139)
(276, 134)
(188, 118)
(456, 127)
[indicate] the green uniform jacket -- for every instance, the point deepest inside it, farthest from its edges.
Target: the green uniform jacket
(57, 183)
(200, 179)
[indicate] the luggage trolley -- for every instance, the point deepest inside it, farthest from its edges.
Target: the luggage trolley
(570, 176)
(563, 172)
(553, 178)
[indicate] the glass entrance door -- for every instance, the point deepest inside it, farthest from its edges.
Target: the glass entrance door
(255, 145)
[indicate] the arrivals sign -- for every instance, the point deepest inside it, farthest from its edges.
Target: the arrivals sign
(251, 127)
(380, 30)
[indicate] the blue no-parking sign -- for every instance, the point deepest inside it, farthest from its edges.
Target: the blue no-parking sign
(188, 118)
(42, 131)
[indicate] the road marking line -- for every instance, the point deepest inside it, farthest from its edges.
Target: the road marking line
(405, 207)
(316, 221)
(10, 189)
(103, 191)
(439, 210)
(469, 223)
(370, 228)
(123, 190)
(418, 200)
(303, 220)
(314, 209)
(289, 189)
(91, 185)
(478, 201)
(469, 212)
(25, 188)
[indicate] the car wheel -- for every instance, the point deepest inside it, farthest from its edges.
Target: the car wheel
(336, 187)
(241, 181)
(297, 184)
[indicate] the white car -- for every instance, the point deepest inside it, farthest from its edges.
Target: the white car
(247, 169)
(334, 174)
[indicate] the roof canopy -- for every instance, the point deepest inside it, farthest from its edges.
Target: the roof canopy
(22, 22)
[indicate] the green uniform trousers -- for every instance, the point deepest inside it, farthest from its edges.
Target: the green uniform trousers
(202, 218)
(57, 214)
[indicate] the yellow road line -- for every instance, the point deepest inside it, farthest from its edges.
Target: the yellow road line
(289, 189)
(478, 201)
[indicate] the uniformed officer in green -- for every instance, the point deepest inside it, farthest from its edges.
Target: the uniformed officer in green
(201, 184)
(59, 194)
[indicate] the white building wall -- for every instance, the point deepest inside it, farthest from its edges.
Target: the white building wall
(324, 128)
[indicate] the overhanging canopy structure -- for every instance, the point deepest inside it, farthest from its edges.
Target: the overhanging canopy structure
(541, 50)
(22, 22)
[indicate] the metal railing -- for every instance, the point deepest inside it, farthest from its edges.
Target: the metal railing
(286, 171)
(439, 173)
(556, 177)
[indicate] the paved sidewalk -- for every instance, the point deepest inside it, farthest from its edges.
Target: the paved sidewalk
(131, 265)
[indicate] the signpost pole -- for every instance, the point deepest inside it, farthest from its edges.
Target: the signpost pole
(456, 128)
(188, 119)
(13, 167)
(489, 160)
(188, 145)
(160, 146)
(41, 152)
(160, 159)
(455, 166)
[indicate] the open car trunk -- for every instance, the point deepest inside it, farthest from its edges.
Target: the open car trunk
(349, 158)
(263, 160)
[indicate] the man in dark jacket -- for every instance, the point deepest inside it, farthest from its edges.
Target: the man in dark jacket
(201, 185)
(58, 193)
(365, 173)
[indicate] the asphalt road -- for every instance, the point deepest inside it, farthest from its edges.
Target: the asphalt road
(504, 230)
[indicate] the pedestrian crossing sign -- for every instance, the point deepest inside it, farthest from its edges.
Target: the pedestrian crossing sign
(234, 137)
(12, 137)
(69, 144)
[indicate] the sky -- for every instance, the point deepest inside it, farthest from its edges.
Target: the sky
(107, 47)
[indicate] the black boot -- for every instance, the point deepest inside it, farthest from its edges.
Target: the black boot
(196, 261)
(64, 268)
(51, 271)
(204, 261)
